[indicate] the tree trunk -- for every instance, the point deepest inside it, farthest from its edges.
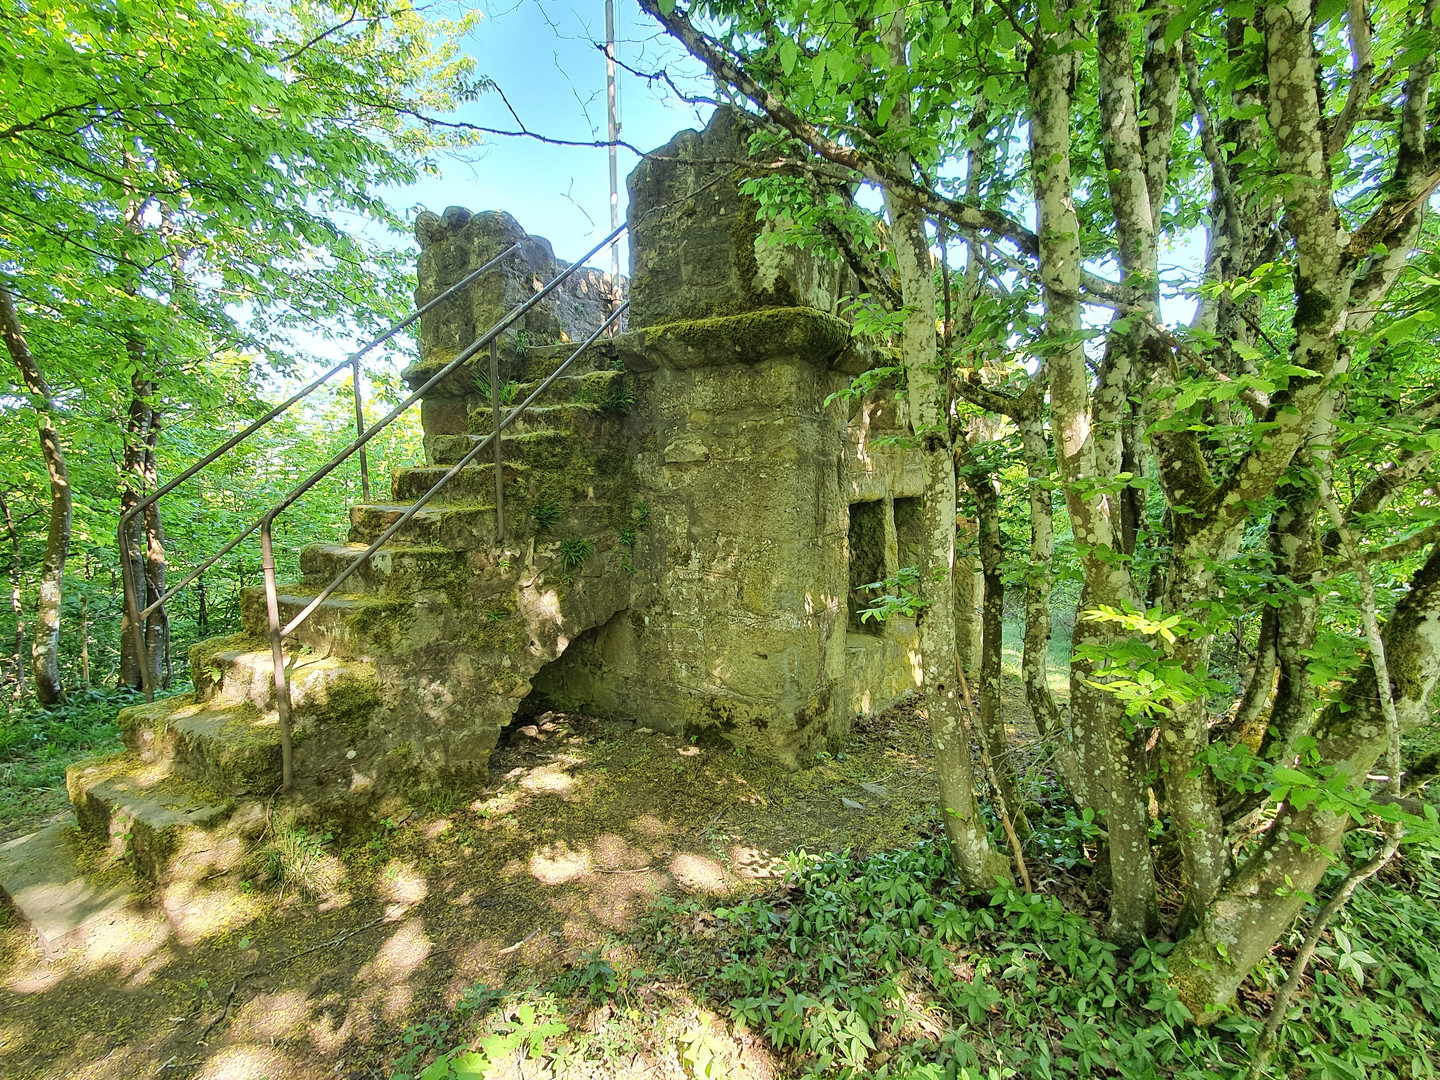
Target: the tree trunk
(45, 651)
(978, 863)
(16, 604)
(1247, 727)
(1264, 897)
(984, 487)
(1035, 658)
(202, 614)
(85, 642)
(1110, 763)
(146, 539)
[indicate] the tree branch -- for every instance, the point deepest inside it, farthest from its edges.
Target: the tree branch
(1362, 78)
(902, 186)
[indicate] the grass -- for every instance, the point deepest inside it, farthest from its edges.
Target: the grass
(1057, 659)
(37, 744)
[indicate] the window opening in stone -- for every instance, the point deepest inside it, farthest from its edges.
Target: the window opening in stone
(867, 561)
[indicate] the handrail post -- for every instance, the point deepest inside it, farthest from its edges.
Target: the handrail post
(277, 655)
(360, 428)
(495, 431)
(132, 609)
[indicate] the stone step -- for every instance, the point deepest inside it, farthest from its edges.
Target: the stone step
(589, 422)
(459, 528)
(474, 484)
(534, 450)
(522, 364)
(403, 569)
(531, 364)
(343, 627)
(543, 449)
(240, 667)
(164, 826)
(451, 451)
(51, 878)
(605, 389)
(229, 746)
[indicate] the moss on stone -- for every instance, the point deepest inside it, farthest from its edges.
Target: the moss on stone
(496, 635)
(349, 703)
(153, 715)
(202, 655)
(383, 624)
(750, 338)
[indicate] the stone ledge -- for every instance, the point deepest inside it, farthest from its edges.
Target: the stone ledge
(749, 338)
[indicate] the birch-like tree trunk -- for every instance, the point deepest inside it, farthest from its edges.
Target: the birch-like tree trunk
(146, 539)
(45, 650)
(17, 607)
(1108, 758)
(985, 489)
(1034, 659)
(978, 862)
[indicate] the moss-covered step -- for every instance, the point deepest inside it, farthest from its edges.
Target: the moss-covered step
(527, 364)
(472, 484)
(325, 688)
(588, 421)
(544, 450)
(453, 447)
(166, 827)
(397, 569)
(531, 364)
(459, 528)
(345, 627)
(230, 746)
(605, 388)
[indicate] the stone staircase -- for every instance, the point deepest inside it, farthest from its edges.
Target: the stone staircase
(402, 681)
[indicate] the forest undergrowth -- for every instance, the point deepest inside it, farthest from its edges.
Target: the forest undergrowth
(880, 967)
(877, 964)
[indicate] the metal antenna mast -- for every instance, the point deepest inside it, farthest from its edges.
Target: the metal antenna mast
(614, 131)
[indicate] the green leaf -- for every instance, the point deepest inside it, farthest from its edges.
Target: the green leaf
(1179, 23)
(789, 51)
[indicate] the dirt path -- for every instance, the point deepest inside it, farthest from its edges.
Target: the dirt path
(583, 825)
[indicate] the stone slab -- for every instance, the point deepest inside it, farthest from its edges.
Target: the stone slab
(42, 876)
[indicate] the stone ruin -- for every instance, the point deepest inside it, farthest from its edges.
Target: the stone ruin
(690, 516)
(763, 509)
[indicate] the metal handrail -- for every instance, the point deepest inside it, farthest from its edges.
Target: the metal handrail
(133, 611)
(267, 553)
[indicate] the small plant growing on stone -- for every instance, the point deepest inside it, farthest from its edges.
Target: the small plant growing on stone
(509, 391)
(546, 514)
(574, 552)
(618, 400)
(610, 397)
(495, 615)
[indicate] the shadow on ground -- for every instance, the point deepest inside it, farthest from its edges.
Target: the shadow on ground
(317, 969)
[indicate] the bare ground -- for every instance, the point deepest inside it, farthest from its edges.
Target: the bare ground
(321, 971)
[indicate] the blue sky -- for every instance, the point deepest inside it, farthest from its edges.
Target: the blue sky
(543, 55)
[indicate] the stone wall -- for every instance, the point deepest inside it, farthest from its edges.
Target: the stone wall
(749, 481)
(742, 626)
(696, 247)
